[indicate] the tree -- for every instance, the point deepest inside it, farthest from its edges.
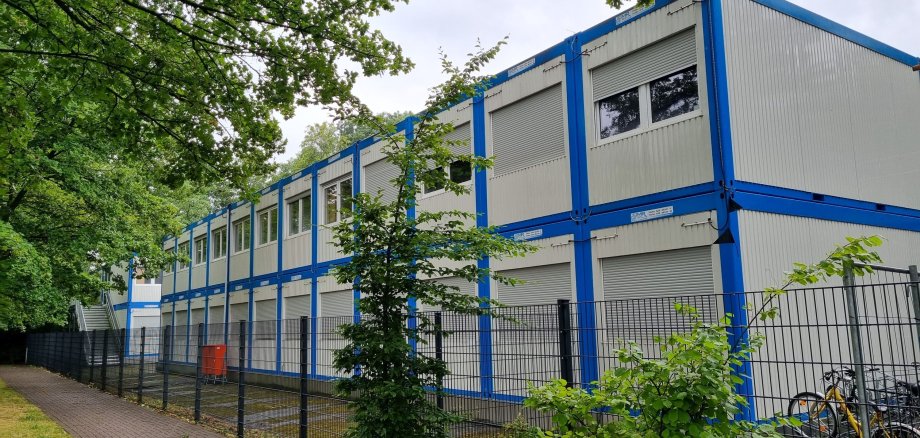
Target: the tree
(393, 258)
(108, 108)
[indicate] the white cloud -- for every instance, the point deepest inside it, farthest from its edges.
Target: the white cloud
(424, 26)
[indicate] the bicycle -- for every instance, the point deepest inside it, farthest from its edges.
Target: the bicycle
(820, 414)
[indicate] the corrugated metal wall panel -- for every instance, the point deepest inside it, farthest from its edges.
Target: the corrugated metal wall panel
(792, 104)
(216, 314)
(542, 285)
(325, 248)
(239, 265)
(150, 322)
(672, 156)
(685, 271)
(378, 177)
(297, 251)
(166, 319)
(266, 310)
(511, 197)
(296, 306)
(266, 260)
(461, 133)
(182, 317)
(647, 64)
(218, 272)
(528, 132)
(197, 316)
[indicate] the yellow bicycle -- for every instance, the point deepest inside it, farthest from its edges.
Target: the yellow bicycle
(820, 414)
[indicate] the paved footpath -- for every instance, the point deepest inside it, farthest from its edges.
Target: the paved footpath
(85, 412)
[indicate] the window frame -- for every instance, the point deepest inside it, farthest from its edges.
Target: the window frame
(169, 268)
(245, 243)
(218, 243)
(305, 224)
(339, 207)
(200, 244)
(645, 108)
(425, 194)
(179, 250)
(268, 212)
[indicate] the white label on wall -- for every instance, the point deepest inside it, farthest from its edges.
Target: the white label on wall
(640, 216)
(238, 287)
(528, 235)
(630, 14)
(521, 67)
(295, 277)
(263, 283)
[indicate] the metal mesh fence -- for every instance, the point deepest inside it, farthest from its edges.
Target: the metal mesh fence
(277, 376)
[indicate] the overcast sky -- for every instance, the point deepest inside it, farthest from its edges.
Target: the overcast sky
(423, 26)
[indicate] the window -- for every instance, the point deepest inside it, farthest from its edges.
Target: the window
(619, 113)
(268, 225)
(674, 94)
(338, 201)
(458, 172)
(299, 215)
(241, 235)
(183, 254)
(201, 250)
(662, 99)
(168, 269)
(219, 245)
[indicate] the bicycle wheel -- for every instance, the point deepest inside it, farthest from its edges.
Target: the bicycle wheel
(896, 430)
(818, 417)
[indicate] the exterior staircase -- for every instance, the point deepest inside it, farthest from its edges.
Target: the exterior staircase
(97, 318)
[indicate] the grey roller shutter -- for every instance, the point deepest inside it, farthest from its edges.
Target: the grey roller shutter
(341, 303)
(239, 311)
(463, 287)
(295, 307)
(641, 291)
(216, 324)
(528, 132)
(166, 319)
(542, 285)
(197, 317)
(216, 316)
(461, 134)
(644, 65)
(378, 176)
(266, 310)
(182, 318)
(266, 321)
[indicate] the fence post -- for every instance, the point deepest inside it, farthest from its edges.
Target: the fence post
(198, 374)
(121, 366)
(81, 353)
(59, 346)
(241, 383)
(915, 297)
(849, 281)
(140, 369)
(92, 358)
(439, 356)
(167, 349)
(105, 357)
(304, 370)
(565, 341)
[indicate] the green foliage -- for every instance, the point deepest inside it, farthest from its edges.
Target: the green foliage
(393, 255)
(690, 389)
(112, 109)
(619, 4)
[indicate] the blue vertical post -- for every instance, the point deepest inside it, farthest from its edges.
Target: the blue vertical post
(578, 172)
(723, 169)
(252, 260)
(355, 189)
(226, 320)
(129, 307)
(409, 124)
(188, 291)
(314, 299)
(207, 277)
(280, 295)
(484, 289)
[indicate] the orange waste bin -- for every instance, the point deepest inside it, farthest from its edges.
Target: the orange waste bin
(214, 358)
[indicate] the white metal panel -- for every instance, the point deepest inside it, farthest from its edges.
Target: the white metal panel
(197, 316)
(182, 316)
(239, 312)
(167, 286)
(549, 251)
(218, 272)
(266, 260)
(216, 314)
(326, 248)
(151, 322)
(166, 319)
(335, 170)
(511, 197)
(298, 186)
(297, 251)
(799, 95)
(378, 179)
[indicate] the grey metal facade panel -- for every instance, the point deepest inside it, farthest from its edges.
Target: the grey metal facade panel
(181, 317)
(339, 303)
(542, 285)
(296, 306)
(216, 315)
(686, 271)
(378, 177)
(799, 95)
(197, 316)
(652, 62)
(528, 132)
(145, 321)
(461, 133)
(266, 310)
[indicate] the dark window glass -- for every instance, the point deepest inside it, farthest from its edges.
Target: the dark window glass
(619, 113)
(460, 171)
(434, 186)
(674, 95)
(346, 198)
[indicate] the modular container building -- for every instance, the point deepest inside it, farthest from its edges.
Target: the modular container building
(624, 152)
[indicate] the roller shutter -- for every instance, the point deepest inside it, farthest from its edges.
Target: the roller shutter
(465, 287)
(378, 176)
(462, 134)
(216, 324)
(216, 315)
(542, 285)
(166, 319)
(528, 132)
(341, 303)
(652, 62)
(266, 310)
(182, 318)
(238, 312)
(641, 291)
(197, 317)
(296, 307)
(145, 321)
(266, 320)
